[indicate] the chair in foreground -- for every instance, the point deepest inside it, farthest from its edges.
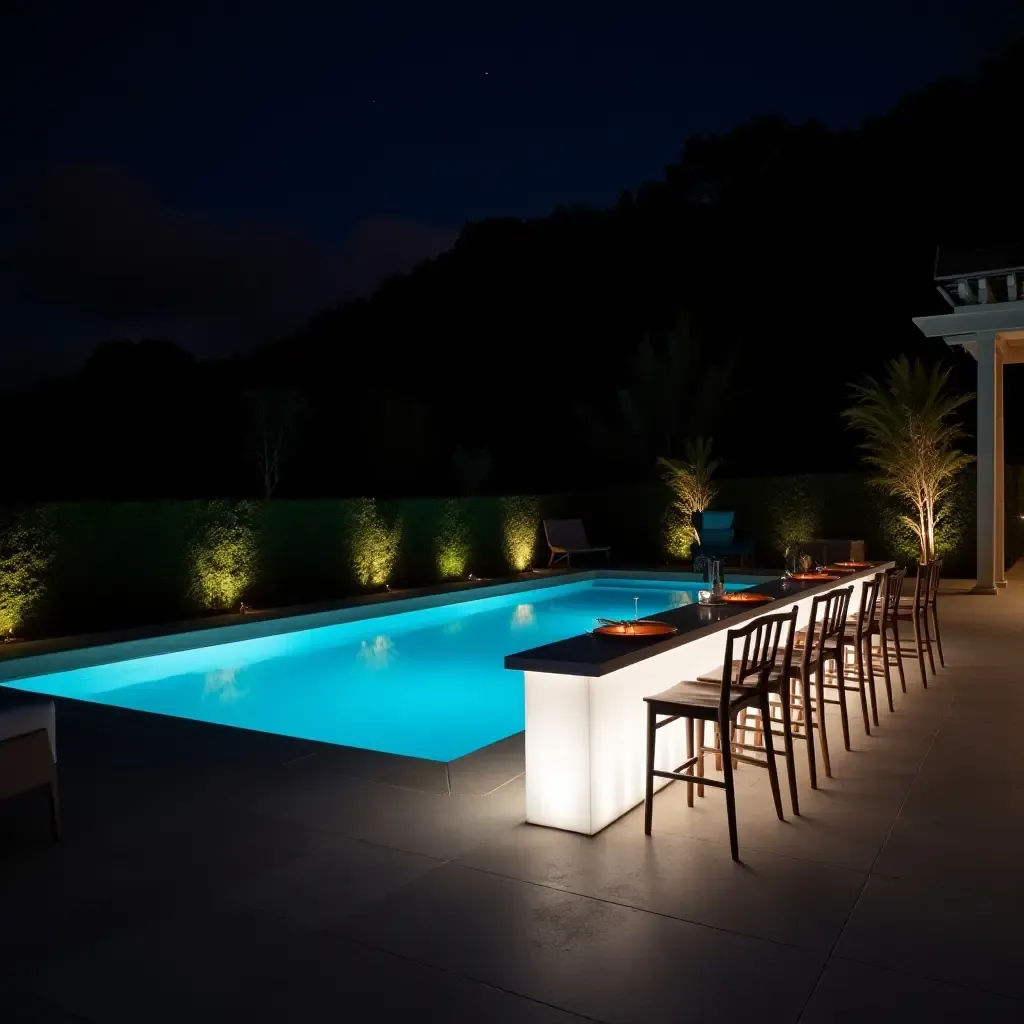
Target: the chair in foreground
(28, 752)
(566, 537)
(765, 648)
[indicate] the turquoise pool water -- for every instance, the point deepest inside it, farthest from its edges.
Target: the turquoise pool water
(427, 683)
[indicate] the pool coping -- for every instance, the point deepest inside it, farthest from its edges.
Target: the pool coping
(594, 656)
(27, 659)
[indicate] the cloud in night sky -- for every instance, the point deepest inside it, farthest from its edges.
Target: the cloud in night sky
(91, 245)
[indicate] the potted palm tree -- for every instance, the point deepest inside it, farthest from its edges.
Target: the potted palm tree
(910, 438)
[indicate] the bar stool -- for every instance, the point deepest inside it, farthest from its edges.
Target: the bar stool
(932, 570)
(863, 629)
(826, 629)
(931, 605)
(913, 610)
(762, 669)
(884, 625)
(854, 637)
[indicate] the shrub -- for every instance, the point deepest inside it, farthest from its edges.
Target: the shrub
(374, 543)
(795, 515)
(677, 534)
(520, 521)
(452, 542)
(26, 551)
(223, 556)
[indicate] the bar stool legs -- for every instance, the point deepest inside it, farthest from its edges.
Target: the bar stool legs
(730, 791)
(649, 791)
(928, 638)
(938, 635)
(899, 655)
(844, 716)
(700, 755)
(866, 669)
(689, 757)
(769, 749)
(819, 689)
(919, 644)
(787, 732)
(862, 685)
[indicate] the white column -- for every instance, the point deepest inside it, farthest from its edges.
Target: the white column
(1000, 486)
(986, 438)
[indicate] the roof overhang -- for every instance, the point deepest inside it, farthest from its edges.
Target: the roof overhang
(963, 326)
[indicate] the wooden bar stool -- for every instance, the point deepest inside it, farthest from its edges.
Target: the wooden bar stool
(932, 568)
(825, 630)
(884, 626)
(854, 637)
(863, 630)
(913, 610)
(761, 669)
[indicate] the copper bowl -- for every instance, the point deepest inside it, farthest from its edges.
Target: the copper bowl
(641, 628)
(852, 565)
(812, 577)
(743, 597)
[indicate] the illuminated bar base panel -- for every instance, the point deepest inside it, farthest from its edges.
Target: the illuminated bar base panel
(586, 735)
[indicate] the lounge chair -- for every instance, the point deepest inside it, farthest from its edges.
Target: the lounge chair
(717, 536)
(28, 749)
(566, 537)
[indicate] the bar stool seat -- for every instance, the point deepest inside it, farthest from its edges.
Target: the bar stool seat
(705, 693)
(830, 646)
(715, 675)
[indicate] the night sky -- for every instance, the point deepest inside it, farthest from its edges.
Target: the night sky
(213, 174)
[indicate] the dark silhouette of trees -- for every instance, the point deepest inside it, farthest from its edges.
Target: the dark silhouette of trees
(675, 389)
(275, 414)
(471, 469)
(556, 344)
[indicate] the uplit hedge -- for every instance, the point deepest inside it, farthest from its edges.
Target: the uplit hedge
(81, 566)
(26, 550)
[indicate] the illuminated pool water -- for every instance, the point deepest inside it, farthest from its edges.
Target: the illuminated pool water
(427, 683)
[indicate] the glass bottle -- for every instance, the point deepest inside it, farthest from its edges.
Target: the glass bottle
(717, 581)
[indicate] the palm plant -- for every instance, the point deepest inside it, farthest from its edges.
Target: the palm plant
(910, 438)
(690, 481)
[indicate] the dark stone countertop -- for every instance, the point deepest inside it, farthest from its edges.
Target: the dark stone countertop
(593, 655)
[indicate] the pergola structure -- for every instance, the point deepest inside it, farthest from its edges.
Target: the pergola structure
(985, 291)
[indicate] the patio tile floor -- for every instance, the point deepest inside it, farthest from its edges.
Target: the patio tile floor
(209, 874)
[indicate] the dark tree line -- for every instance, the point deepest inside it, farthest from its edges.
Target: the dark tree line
(767, 268)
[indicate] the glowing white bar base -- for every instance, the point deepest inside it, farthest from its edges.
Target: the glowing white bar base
(586, 736)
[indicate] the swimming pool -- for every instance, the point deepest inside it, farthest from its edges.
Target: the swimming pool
(427, 683)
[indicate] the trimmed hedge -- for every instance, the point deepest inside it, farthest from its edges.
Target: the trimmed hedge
(83, 566)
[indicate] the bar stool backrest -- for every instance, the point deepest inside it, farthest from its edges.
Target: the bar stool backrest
(827, 622)
(933, 583)
(893, 590)
(922, 586)
(761, 640)
(868, 609)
